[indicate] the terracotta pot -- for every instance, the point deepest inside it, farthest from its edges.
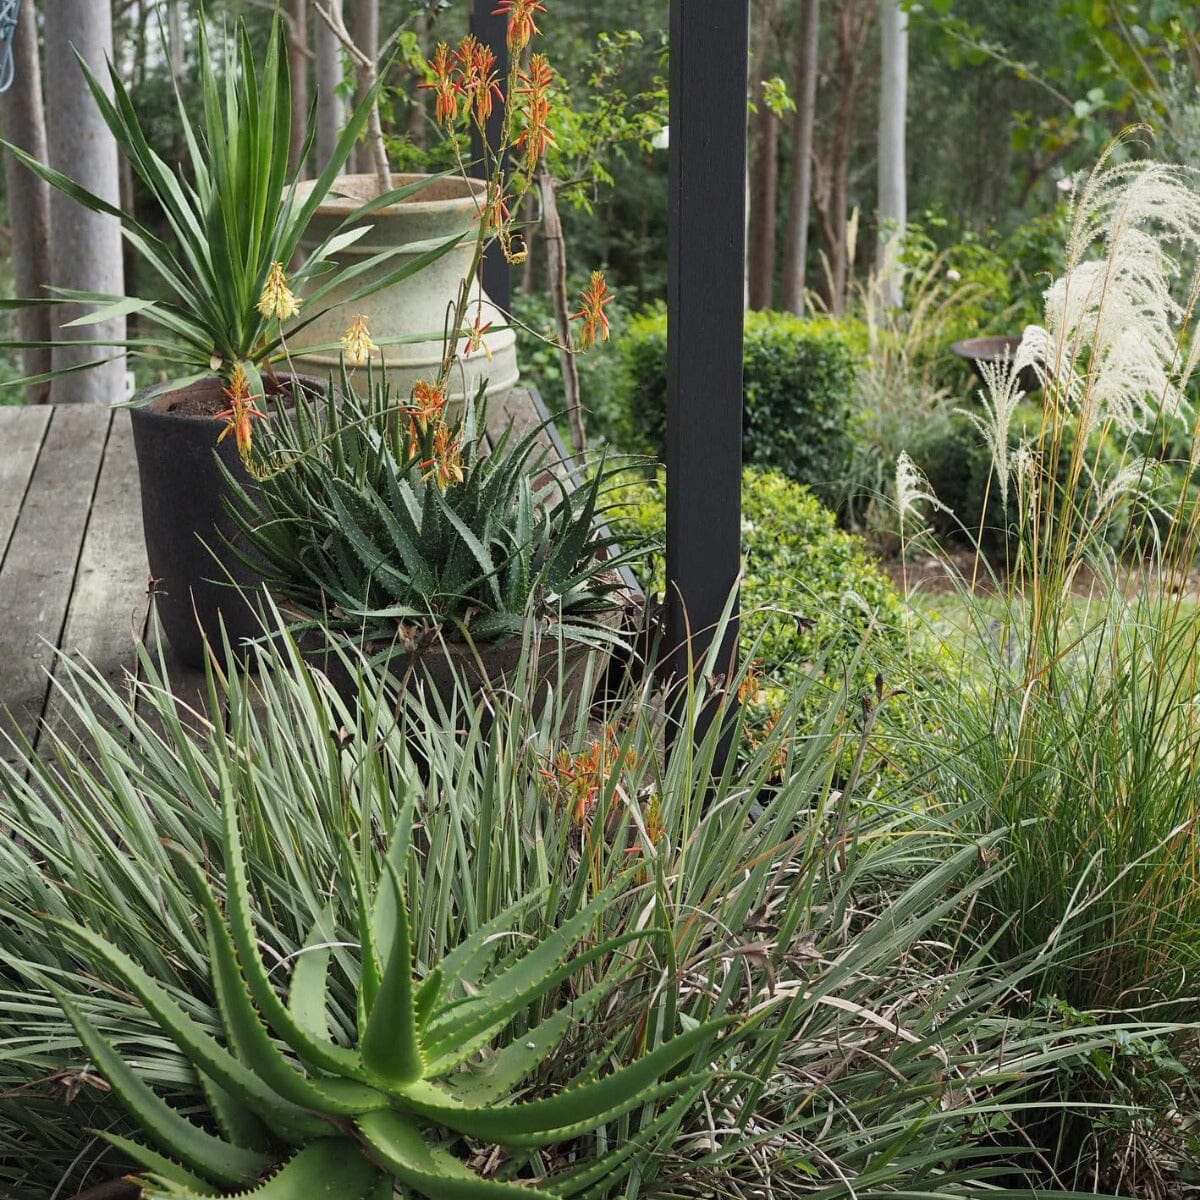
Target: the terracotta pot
(416, 306)
(197, 579)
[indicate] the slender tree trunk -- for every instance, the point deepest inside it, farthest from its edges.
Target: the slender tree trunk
(762, 206)
(831, 178)
(85, 247)
(23, 123)
(893, 103)
(804, 88)
(764, 171)
(330, 71)
(298, 70)
(556, 274)
(366, 37)
(175, 42)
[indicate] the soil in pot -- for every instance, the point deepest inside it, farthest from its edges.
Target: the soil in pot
(196, 578)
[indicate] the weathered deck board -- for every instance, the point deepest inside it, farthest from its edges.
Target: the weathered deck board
(38, 575)
(107, 616)
(21, 434)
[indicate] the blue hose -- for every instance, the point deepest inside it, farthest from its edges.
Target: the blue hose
(9, 11)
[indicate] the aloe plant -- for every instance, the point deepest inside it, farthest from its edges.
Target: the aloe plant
(355, 529)
(296, 1113)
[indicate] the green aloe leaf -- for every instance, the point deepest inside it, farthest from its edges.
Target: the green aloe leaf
(251, 1040)
(243, 1084)
(337, 1060)
(327, 1169)
(211, 1157)
(577, 1109)
(391, 1044)
(398, 1145)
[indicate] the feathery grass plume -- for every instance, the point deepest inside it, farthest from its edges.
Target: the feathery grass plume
(912, 489)
(999, 398)
(1111, 341)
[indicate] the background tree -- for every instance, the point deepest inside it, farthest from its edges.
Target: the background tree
(893, 101)
(764, 161)
(852, 21)
(330, 71)
(23, 123)
(804, 89)
(85, 247)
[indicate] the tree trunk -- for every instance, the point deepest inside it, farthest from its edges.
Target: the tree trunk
(366, 38)
(762, 208)
(893, 101)
(831, 173)
(85, 247)
(23, 123)
(804, 88)
(175, 42)
(764, 170)
(330, 71)
(298, 70)
(556, 274)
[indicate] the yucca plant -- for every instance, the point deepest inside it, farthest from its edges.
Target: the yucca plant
(371, 515)
(235, 219)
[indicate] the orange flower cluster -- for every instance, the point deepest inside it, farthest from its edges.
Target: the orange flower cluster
(578, 779)
(594, 320)
(521, 27)
(535, 137)
(241, 411)
(436, 447)
(467, 74)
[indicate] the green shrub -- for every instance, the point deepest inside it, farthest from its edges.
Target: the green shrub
(798, 384)
(810, 592)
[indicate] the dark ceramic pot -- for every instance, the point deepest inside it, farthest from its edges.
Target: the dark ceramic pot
(198, 580)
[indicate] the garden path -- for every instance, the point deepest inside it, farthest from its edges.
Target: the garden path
(73, 571)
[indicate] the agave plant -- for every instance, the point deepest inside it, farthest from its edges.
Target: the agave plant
(371, 514)
(385, 1111)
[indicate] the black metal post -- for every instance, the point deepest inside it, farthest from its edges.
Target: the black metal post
(491, 29)
(705, 312)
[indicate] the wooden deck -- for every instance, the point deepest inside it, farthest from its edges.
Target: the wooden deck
(73, 571)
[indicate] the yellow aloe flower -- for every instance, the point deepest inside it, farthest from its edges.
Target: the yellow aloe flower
(357, 343)
(278, 302)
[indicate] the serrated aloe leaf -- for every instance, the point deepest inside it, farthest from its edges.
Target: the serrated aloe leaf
(204, 1052)
(390, 1045)
(308, 991)
(468, 961)
(396, 1143)
(480, 1017)
(157, 1164)
(327, 1169)
(252, 1042)
(523, 1054)
(383, 913)
(337, 1060)
(428, 994)
(370, 974)
(213, 1158)
(526, 971)
(597, 1178)
(589, 1104)
(237, 1122)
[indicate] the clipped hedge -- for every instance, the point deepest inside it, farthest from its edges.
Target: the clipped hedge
(810, 592)
(799, 380)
